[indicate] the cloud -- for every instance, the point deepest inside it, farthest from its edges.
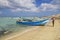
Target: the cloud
(56, 2)
(18, 5)
(53, 6)
(28, 5)
(48, 7)
(24, 5)
(4, 4)
(28, 10)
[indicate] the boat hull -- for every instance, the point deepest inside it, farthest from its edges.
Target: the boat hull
(37, 23)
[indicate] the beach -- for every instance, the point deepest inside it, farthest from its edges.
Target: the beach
(47, 32)
(29, 19)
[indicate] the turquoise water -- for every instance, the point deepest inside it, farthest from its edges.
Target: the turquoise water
(9, 23)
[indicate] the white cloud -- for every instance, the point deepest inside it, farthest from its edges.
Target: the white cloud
(53, 6)
(4, 3)
(23, 5)
(27, 5)
(29, 10)
(31, 7)
(18, 5)
(56, 2)
(47, 7)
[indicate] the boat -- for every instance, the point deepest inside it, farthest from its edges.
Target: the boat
(33, 23)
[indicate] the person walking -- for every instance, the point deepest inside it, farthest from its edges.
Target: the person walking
(53, 20)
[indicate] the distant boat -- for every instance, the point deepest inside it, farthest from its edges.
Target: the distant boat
(33, 23)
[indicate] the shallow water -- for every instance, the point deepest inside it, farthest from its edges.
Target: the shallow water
(9, 24)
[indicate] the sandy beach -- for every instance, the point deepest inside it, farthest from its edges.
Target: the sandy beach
(29, 19)
(47, 32)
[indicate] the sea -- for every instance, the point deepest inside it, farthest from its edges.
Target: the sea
(9, 24)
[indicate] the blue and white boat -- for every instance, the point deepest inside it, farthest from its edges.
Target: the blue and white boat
(33, 23)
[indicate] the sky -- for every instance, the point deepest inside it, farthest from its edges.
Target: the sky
(22, 8)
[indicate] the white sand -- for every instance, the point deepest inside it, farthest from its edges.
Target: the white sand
(47, 32)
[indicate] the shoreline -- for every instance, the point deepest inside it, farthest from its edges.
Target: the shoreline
(47, 32)
(40, 33)
(19, 32)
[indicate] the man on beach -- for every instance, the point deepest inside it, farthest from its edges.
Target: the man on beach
(53, 20)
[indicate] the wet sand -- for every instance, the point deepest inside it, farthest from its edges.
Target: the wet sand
(47, 32)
